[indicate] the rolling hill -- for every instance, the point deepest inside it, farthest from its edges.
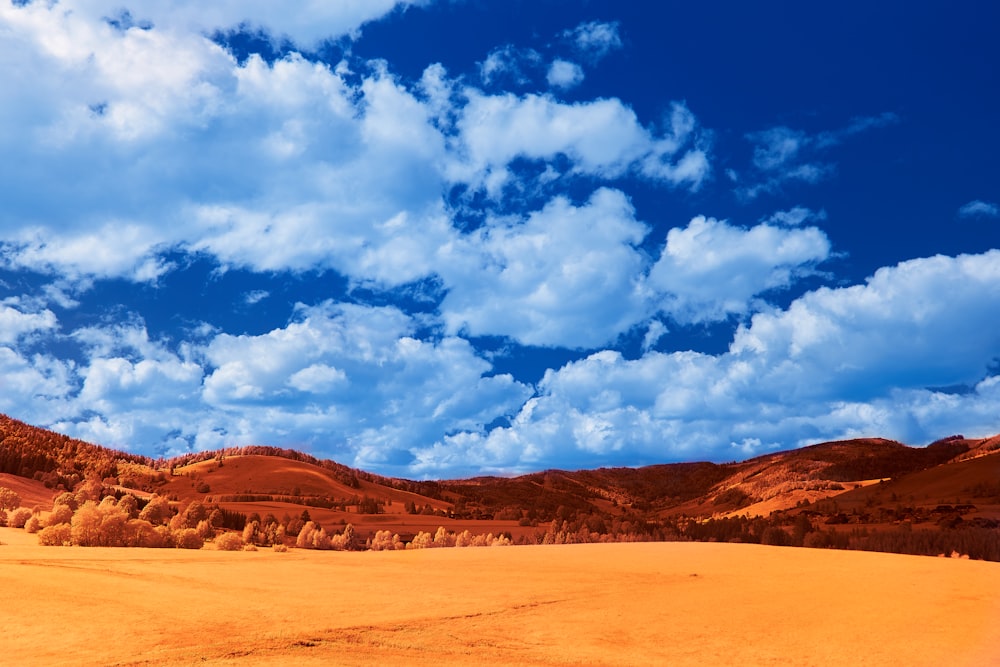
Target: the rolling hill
(871, 482)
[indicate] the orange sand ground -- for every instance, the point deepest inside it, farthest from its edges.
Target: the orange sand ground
(620, 604)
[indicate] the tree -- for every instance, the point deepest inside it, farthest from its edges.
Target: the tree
(157, 511)
(422, 540)
(194, 513)
(443, 539)
(345, 540)
(129, 505)
(250, 532)
(9, 499)
(385, 540)
(86, 525)
(60, 514)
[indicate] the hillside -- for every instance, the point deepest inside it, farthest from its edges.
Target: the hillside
(872, 482)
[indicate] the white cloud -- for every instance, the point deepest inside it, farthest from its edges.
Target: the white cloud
(255, 296)
(595, 39)
(291, 165)
(856, 126)
(508, 63)
(305, 23)
(710, 269)
(776, 147)
(564, 74)
(784, 155)
(18, 321)
(574, 276)
(114, 250)
(602, 138)
(34, 387)
(360, 372)
(654, 333)
(566, 275)
(795, 216)
(837, 363)
(865, 339)
(979, 209)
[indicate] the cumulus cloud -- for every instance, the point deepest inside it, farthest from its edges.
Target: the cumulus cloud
(358, 371)
(19, 319)
(506, 279)
(864, 340)
(979, 209)
(306, 24)
(839, 362)
(133, 144)
(601, 138)
(564, 74)
(710, 270)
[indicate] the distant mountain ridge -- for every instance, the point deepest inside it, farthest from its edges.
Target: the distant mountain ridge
(783, 479)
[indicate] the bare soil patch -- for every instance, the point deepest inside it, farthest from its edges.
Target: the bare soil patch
(618, 604)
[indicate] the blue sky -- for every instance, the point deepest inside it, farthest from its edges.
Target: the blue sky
(443, 238)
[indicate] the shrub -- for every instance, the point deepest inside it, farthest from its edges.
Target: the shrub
(3, 518)
(33, 524)
(166, 537)
(188, 538)
(250, 547)
(66, 498)
(229, 542)
(57, 535)
(59, 514)
(280, 548)
(19, 517)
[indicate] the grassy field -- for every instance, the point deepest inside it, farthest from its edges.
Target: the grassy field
(621, 604)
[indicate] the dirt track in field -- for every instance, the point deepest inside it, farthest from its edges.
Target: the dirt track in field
(676, 603)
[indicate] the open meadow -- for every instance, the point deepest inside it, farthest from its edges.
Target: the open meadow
(594, 604)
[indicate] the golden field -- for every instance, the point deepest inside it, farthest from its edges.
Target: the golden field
(616, 604)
